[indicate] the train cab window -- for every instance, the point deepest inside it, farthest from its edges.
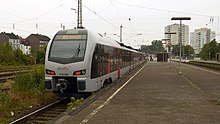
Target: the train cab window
(67, 50)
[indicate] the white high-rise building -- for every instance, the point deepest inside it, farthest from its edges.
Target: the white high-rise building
(192, 37)
(175, 37)
(200, 37)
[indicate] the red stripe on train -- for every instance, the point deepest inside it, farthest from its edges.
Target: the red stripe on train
(109, 63)
(119, 63)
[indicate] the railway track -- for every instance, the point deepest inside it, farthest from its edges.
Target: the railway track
(13, 69)
(44, 114)
(47, 113)
(6, 74)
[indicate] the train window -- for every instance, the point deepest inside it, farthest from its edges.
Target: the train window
(67, 51)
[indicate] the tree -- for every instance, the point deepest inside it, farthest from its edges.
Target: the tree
(40, 56)
(209, 50)
(213, 49)
(205, 52)
(218, 48)
(6, 54)
(176, 50)
(21, 58)
(155, 47)
(188, 50)
(146, 49)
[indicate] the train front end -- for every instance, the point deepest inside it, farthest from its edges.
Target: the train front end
(66, 67)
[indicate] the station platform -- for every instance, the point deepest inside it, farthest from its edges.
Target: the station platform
(156, 94)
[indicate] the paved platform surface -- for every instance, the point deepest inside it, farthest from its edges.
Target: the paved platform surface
(156, 95)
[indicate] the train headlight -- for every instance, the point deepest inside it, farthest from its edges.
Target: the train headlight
(49, 72)
(81, 72)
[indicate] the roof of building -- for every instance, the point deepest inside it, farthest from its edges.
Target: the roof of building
(11, 35)
(41, 37)
(26, 42)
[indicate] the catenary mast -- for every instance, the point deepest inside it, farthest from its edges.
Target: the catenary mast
(79, 18)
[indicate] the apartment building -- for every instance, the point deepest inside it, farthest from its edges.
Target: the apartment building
(33, 41)
(13, 39)
(200, 37)
(174, 38)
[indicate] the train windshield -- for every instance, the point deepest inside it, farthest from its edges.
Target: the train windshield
(68, 48)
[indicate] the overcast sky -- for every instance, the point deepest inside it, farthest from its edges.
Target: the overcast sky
(146, 17)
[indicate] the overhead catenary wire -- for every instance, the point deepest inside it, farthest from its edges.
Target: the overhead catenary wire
(43, 14)
(25, 20)
(127, 18)
(101, 17)
(162, 10)
(106, 21)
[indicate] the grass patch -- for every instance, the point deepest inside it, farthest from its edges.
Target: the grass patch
(74, 102)
(5, 120)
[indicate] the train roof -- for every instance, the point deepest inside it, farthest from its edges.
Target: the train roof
(111, 42)
(104, 40)
(73, 31)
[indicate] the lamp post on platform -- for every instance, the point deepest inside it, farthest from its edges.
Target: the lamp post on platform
(180, 36)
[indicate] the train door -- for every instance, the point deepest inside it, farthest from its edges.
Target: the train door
(101, 65)
(130, 60)
(97, 66)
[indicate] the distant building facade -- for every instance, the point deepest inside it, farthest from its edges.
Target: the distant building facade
(33, 41)
(174, 38)
(25, 46)
(200, 37)
(11, 38)
(37, 41)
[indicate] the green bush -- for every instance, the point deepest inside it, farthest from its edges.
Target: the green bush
(23, 82)
(32, 83)
(5, 101)
(8, 56)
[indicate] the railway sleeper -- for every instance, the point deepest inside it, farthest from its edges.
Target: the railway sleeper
(36, 122)
(49, 115)
(58, 110)
(53, 112)
(44, 118)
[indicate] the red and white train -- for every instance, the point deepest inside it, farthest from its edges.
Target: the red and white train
(78, 60)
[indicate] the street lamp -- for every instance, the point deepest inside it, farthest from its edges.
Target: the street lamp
(170, 33)
(180, 36)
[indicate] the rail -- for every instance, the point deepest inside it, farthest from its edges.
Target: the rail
(35, 117)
